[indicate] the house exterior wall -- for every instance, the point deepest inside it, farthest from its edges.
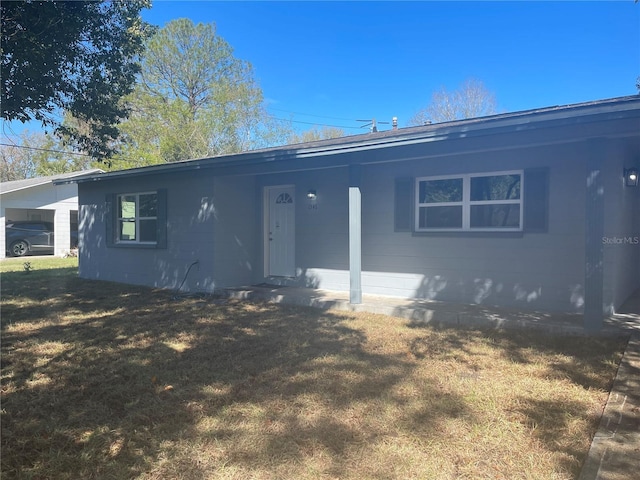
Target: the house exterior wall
(621, 239)
(534, 270)
(60, 200)
(218, 222)
(218, 211)
(236, 231)
(189, 219)
(208, 245)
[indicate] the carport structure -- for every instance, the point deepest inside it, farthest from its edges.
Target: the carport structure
(39, 199)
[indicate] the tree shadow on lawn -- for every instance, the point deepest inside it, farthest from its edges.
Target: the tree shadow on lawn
(572, 357)
(103, 380)
(548, 420)
(589, 363)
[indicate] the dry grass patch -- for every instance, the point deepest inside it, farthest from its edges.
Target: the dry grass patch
(108, 381)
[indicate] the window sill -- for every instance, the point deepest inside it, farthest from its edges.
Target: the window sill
(470, 234)
(135, 245)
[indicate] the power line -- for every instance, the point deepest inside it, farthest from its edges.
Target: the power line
(372, 123)
(313, 123)
(271, 116)
(312, 115)
(44, 149)
(6, 125)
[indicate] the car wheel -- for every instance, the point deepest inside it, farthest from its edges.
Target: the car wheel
(19, 249)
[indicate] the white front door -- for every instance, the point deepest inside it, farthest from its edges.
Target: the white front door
(281, 231)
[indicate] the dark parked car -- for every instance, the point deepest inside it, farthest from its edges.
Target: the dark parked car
(26, 237)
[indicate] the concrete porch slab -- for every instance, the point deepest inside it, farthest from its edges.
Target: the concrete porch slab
(432, 312)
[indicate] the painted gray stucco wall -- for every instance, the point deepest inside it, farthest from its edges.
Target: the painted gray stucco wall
(218, 222)
(621, 239)
(236, 238)
(189, 221)
(202, 230)
(533, 270)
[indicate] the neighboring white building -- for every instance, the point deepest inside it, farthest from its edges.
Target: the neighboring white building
(40, 200)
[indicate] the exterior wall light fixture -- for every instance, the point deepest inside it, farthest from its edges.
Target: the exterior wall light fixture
(630, 177)
(311, 195)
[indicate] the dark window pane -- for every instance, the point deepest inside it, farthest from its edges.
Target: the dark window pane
(149, 205)
(127, 230)
(438, 191)
(440, 217)
(148, 230)
(499, 187)
(127, 206)
(495, 216)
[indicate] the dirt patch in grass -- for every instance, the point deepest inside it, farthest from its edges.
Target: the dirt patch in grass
(101, 380)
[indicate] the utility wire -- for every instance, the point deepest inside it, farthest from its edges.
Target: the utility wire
(271, 116)
(44, 149)
(311, 115)
(371, 122)
(5, 125)
(313, 123)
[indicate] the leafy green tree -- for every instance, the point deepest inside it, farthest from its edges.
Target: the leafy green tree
(78, 57)
(471, 100)
(315, 134)
(58, 158)
(193, 99)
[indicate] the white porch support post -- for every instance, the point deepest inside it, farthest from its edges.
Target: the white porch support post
(594, 231)
(62, 231)
(3, 238)
(355, 236)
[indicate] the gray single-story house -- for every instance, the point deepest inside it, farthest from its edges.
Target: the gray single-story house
(537, 209)
(41, 199)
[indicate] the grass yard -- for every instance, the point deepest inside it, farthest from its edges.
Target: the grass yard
(101, 380)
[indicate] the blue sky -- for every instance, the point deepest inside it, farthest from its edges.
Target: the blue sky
(337, 62)
(334, 63)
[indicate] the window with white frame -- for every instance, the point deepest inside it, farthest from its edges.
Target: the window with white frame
(137, 218)
(470, 202)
